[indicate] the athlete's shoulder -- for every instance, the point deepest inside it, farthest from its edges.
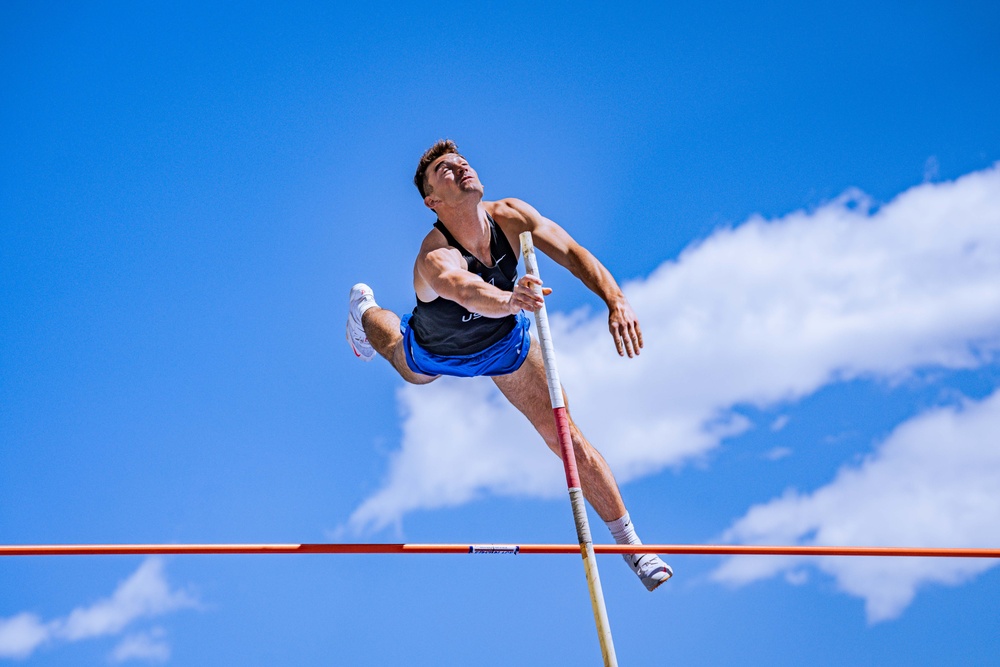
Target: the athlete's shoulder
(434, 240)
(512, 211)
(436, 251)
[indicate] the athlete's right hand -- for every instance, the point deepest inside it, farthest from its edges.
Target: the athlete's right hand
(524, 296)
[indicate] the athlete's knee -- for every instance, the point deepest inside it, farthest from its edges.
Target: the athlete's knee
(574, 431)
(585, 451)
(413, 378)
(549, 435)
(397, 357)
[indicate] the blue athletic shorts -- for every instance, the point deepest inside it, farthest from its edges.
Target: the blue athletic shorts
(502, 357)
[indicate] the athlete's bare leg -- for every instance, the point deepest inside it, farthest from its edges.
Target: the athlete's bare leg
(382, 328)
(528, 391)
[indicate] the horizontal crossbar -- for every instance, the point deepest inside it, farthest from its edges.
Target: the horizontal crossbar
(685, 549)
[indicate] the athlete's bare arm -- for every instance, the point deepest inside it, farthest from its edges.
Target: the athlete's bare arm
(515, 216)
(440, 270)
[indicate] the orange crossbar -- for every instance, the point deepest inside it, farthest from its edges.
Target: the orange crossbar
(328, 548)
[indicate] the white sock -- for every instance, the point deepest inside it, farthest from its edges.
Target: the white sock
(366, 305)
(623, 531)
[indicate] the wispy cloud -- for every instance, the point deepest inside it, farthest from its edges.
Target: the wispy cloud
(145, 594)
(933, 482)
(777, 453)
(150, 646)
(762, 314)
(21, 635)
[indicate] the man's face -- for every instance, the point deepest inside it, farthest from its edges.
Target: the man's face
(450, 177)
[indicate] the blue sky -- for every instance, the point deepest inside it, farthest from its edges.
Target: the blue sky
(801, 201)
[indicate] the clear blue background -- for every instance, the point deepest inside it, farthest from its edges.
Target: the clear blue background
(188, 190)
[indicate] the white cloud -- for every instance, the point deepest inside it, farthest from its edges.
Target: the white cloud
(148, 646)
(449, 455)
(931, 168)
(21, 635)
(761, 314)
(932, 483)
(780, 423)
(777, 453)
(144, 594)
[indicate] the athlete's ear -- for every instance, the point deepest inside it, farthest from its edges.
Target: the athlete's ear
(431, 202)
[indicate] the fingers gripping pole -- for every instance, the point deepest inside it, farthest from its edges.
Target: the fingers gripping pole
(569, 464)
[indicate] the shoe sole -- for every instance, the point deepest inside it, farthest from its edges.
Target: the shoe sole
(657, 584)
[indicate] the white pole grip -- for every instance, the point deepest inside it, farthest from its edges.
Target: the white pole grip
(542, 322)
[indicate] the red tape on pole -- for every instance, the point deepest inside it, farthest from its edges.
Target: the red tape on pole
(566, 448)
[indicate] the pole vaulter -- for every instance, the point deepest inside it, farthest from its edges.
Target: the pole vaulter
(472, 319)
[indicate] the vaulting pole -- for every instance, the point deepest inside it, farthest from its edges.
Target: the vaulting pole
(569, 463)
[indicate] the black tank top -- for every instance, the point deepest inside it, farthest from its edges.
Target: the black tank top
(445, 327)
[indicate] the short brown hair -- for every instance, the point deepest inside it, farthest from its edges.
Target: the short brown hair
(441, 147)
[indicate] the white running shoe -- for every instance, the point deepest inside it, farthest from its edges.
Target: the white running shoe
(650, 568)
(361, 300)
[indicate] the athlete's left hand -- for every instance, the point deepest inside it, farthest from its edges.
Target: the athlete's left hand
(524, 296)
(624, 326)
